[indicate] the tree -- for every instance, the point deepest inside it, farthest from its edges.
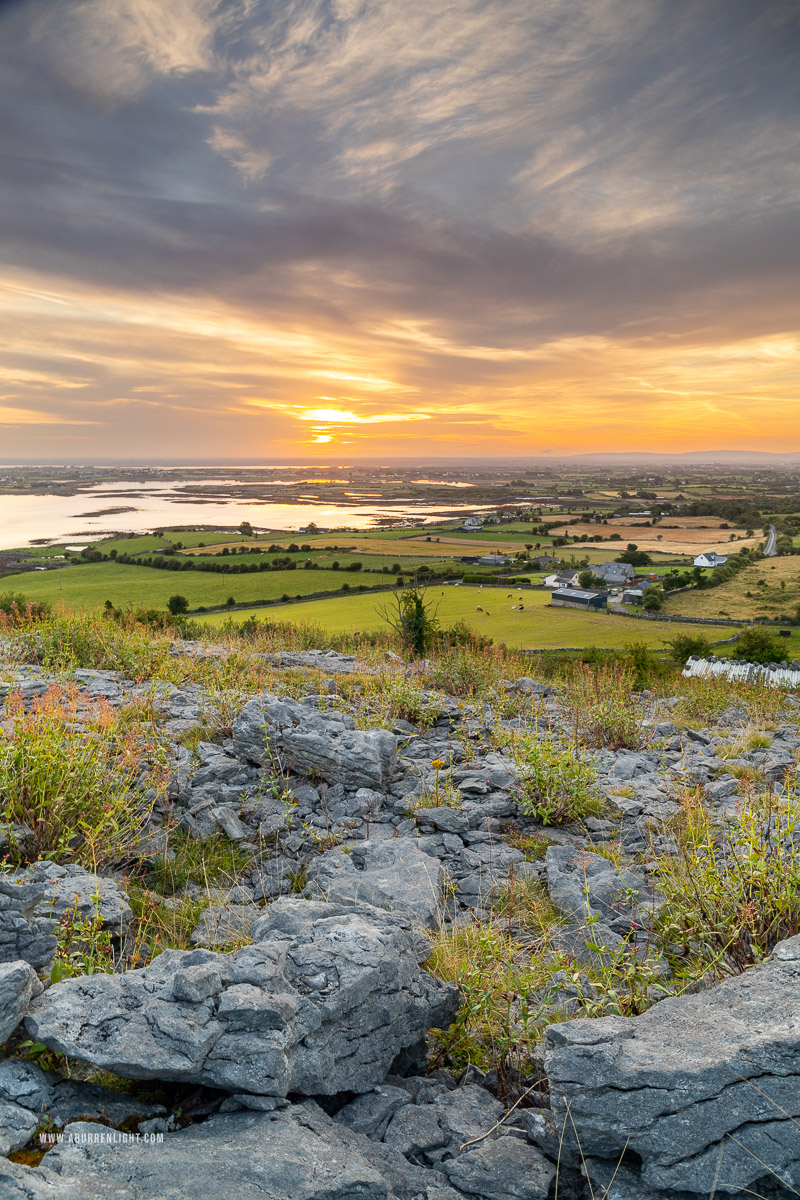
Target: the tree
(635, 558)
(412, 618)
(652, 600)
(758, 646)
(587, 580)
(687, 644)
(178, 605)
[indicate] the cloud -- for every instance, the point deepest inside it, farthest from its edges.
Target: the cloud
(502, 216)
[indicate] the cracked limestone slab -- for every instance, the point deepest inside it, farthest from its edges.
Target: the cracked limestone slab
(323, 1001)
(694, 1078)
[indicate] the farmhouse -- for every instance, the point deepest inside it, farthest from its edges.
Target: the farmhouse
(613, 574)
(563, 579)
(710, 559)
(473, 523)
(493, 560)
(576, 598)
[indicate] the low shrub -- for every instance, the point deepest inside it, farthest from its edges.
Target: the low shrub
(603, 708)
(82, 783)
(557, 784)
(732, 894)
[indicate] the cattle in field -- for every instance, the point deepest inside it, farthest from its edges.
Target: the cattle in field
(478, 608)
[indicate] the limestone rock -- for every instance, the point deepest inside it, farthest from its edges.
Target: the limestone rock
(24, 933)
(27, 1094)
(296, 1153)
(309, 742)
(68, 887)
(583, 885)
(505, 1169)
(393, 874)
(323, 1002)
(673, 1084)
(19, 983)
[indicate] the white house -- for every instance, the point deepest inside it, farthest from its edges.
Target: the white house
(563, 579)
(473, 523)
(710, 559)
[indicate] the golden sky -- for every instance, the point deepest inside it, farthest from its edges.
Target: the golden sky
(335, 227)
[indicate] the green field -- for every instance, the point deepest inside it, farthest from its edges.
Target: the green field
(89, 586)
(538, 627)
(375, 562)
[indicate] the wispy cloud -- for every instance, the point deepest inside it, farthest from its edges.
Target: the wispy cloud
(511, 224)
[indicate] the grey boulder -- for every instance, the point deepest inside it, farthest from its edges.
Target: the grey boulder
(28, 1094)
(278, 731)
(323, 1001)
(505, 1169)
(19, 983)
(393, 873)
(296, 1153)
(24, 933)
(586, 885)
(705, 1088)
(69, 887)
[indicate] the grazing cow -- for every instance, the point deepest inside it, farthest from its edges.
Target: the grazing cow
(510, 596)
(488, 614)
(522, 608)
(478, 608)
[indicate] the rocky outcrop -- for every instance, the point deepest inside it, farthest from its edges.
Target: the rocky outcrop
(393, 874)
(29, 1095)
(322, 1002)
(69, 888)
(704, 1088)
(294, 1153)
(585, 885)
(279, 730)
(24, 933)
(19, 983)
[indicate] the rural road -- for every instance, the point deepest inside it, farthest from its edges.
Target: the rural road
(772, 538)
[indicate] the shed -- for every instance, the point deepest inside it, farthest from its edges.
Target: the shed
(577, 598)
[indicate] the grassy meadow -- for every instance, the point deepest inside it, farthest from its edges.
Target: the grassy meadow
(538, 626)
(88, 586)
(769, 588)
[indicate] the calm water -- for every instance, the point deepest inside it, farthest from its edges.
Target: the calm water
(25, 519)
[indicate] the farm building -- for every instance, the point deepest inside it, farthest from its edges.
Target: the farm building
(493, 560)
(710, 559)
(576, 598)
(613, 574)
(563, 579)
(633, 596)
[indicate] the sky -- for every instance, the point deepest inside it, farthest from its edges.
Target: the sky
(354, 228)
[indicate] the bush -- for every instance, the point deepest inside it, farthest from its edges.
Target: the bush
(731, 898)
(653, 600)
(413, 618)
(178, 605)
(558, 785)
(18, 610)
(685, 645)
(758, 646)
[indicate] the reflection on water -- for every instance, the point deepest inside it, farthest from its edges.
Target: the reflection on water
(28, 519)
